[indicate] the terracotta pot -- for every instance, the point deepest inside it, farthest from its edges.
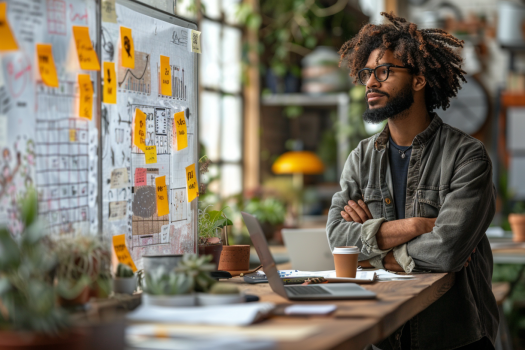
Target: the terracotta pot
(81, 299)
(517, 223)
(211, 249)
(235, 258)
(71, 340)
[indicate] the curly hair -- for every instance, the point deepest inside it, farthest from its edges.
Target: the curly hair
(428, 52)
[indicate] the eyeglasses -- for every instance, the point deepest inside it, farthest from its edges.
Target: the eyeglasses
(381, 73)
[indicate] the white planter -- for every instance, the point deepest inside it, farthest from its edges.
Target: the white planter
(125, 285)
(169, 300)
(204, 299)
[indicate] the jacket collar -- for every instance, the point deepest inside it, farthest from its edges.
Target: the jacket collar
(381, 139)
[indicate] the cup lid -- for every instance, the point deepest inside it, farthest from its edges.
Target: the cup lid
(346, 250)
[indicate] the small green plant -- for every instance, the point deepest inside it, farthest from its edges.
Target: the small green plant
(269, 210)
(224, 288)
(210, 222)
(197, 269)
(519, 208)
(163, 282)
(124, 271)
(27, 292)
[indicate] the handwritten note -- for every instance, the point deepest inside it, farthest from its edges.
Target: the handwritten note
(86, 96)
(119, 178)
(164, 234)
(140, 176)
(139, 136)
(192, 186)
(118, 210)
(163, 207)
(46, 64)
(109, 13)
(8, 41)
(151, 154)
(87, 56)
(110, 83)
(72, 135)
(196, 41)
(165, 76)
(181, 130)
(127, 52)
(122, 252)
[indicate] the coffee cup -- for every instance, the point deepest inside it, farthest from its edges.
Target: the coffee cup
(345, 259)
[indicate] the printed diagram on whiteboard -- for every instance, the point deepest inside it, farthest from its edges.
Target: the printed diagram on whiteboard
(147, 227)
(62, 166)
(137, 79)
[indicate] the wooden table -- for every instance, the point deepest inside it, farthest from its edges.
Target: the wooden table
(356, 323)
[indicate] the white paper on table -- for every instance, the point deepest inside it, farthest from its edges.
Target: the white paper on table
(301, 309)
(361, 276)
(226, 315)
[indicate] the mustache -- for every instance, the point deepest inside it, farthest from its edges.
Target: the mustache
(376, 92)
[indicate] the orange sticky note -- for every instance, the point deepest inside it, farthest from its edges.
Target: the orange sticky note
(127, 52)
(165, 76)
(110, 83)
(85, 87)
(139, 136)
(8, 41)
(72, 135)
(163, 207)
(151, 154)
(122, 252)
(46, 64)
(181, 130)
(87, 56)
(192, 186)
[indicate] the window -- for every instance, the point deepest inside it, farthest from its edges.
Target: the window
(220, 100)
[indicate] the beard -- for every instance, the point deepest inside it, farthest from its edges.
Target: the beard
(394, 107)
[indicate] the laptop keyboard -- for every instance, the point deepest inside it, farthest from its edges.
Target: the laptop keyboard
(302, 290)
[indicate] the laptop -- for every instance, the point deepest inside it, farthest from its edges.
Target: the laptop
(308, 249)
(295, 292)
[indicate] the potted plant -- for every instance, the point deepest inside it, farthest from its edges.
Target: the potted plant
(221, 293)
(168, 288)
(29, 315)
(211, 224)
(269, 211)
(125, 281)
(517, 222)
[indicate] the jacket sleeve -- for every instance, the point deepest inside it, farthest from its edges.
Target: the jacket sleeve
(343, 233)
(465, 215)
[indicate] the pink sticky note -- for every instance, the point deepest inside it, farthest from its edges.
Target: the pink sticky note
(140, 177)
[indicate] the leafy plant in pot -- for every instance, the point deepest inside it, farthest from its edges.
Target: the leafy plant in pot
(211, 225)
(517, 222)
(125, 281)
(29, 315)
(269, 211)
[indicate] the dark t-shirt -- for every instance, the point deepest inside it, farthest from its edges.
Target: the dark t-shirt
(399, 171)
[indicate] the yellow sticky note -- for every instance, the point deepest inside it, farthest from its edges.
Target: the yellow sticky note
(110, 83)
(151, 154)
(165, 76)
(122, 252)
(85, 87)
(72, 135)
(163, 207)
(127, 52)
(46, 64)
(181, 130)
(87, 57)
(8, 41)
(195, 41)
(139, 136)
(192, 186)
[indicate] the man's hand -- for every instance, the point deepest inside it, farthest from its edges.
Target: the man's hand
(357, 212)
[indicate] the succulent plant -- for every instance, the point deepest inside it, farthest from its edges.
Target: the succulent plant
(124, 271)
(27, 292)
(163, 282)
(197, 269)
(224, 288)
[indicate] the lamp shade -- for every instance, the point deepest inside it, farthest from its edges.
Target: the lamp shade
(298, 162)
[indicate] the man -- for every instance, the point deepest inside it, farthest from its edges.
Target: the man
(419, 195)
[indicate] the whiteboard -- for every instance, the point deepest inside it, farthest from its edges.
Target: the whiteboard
(43, 141)
(129, 207)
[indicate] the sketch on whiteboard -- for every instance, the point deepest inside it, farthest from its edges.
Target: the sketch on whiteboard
(139, 78)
